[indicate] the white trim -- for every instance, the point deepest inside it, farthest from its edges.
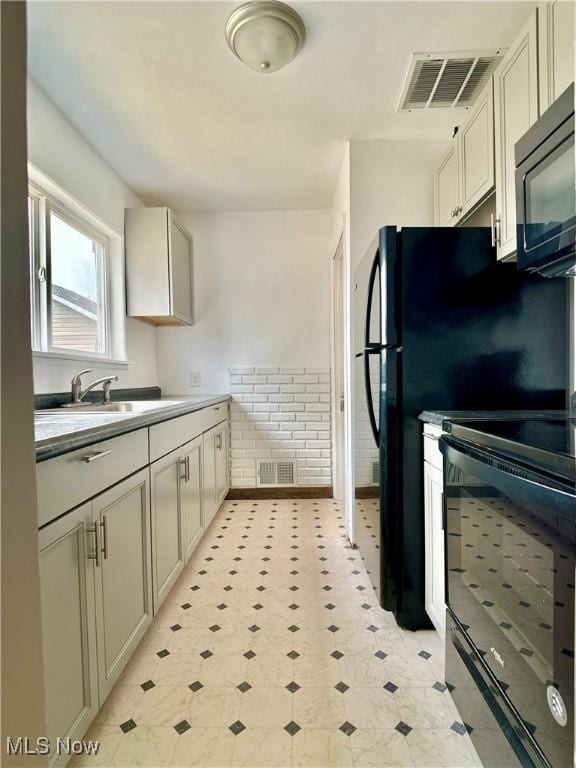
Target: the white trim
(113, 306)
(87, 358)
(36, 177)
(338, 368)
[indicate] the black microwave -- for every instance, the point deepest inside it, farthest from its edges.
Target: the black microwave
(546, 192)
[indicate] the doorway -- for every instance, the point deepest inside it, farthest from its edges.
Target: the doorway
(338, 355)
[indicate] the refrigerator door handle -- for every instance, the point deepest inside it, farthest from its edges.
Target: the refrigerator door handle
(371, 283)
(368, 389)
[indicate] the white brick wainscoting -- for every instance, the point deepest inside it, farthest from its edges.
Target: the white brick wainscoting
(281, 414)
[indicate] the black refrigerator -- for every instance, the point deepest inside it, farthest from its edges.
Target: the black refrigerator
(438, 324)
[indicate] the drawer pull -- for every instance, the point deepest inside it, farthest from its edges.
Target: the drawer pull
(104, 526)
(95, 456)
(95, 555)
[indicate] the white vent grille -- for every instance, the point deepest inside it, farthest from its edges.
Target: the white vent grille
(376, 472)
(446, 80)
(275, 473)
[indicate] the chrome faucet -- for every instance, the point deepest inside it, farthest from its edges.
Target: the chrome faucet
(78, 394)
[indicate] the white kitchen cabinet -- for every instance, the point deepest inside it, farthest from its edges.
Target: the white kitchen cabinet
(222, 473)
(123, 583)
(465, 177)
(215, 470)
(209, 492)
(447, 188)
(158, 267)
(515, 110)
(167, 524)
(69, 625)
(435, 601)
(191, 495)
(556, 49)
(476, 152)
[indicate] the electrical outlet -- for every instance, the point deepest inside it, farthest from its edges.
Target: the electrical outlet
(194, 378)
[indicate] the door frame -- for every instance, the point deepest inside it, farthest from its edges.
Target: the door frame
(338, 366)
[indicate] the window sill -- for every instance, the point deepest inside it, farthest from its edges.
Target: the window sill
(99, 362)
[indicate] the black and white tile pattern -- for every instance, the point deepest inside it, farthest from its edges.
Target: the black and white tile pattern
(264, 671)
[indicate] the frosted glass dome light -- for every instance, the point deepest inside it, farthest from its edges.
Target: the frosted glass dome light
(265, 35)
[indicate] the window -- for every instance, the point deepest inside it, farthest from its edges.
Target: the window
(69, 286)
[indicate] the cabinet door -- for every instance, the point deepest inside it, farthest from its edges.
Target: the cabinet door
(556, 49)
(477, 151)
(191, 495)
(209, 492)
(122, 574)
(516, 109)
(68, 625)
(181, 272)
(434, 543)
(222, 484)
(167, 544)
(446, 189)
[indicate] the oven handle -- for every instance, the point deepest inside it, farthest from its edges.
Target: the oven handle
(483, 466)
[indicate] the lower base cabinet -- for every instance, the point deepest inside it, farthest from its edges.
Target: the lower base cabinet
(434, 539)
(215, 470)
(167, 542)
(69, 625)
(123, 580)
(106, 567)
(191, 496)
(96, 602)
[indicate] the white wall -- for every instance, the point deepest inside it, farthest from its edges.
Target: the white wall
(261, 293)
(57, 149)
(391, 182)
(262, 320)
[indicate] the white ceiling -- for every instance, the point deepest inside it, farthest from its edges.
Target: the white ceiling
(154, 88)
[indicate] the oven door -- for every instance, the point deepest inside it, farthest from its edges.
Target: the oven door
(546, 205)
(510, 583)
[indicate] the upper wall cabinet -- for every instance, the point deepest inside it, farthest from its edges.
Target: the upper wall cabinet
(516, 109)
(556, 49)
(466, 174)
(476, 152)
(158, 267)
(447, 188)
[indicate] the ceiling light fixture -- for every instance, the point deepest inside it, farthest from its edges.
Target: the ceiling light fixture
(265, 34)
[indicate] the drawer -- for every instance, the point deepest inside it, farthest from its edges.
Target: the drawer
(68, 480)
(432, 452)
(168, 435)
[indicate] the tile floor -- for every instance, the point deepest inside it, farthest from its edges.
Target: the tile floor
(271, 651)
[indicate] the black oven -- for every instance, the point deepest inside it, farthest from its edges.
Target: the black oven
(510, 558)
(546, 192)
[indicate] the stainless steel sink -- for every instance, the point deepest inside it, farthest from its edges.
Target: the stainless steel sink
(120, 406)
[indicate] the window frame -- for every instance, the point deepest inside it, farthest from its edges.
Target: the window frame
(43, 206)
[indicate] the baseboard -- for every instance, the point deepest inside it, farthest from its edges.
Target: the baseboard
(288, 492)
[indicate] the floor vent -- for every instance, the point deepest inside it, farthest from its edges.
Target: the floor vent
(446, 80)
(275, 473)
(376, 472)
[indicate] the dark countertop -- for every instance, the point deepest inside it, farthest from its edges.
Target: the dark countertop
(437, 418)
(61, 431)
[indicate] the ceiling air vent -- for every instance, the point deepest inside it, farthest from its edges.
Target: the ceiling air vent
(445, 80)
(275, 473)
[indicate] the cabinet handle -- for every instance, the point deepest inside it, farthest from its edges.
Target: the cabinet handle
(94, 456)
(495, 231)
(96, 556)
(187, 469)
(104, 526)
(219, 443)
(182, 463)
